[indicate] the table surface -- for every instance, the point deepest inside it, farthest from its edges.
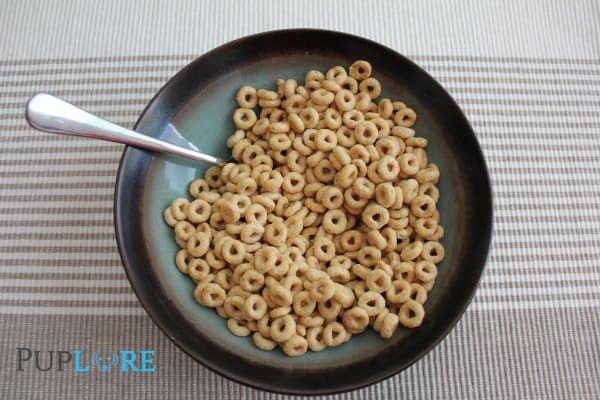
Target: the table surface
(527, 75)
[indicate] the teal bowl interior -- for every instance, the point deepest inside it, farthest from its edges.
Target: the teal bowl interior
(198, 103)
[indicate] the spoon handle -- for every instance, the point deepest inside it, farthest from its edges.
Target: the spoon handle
(51, 114)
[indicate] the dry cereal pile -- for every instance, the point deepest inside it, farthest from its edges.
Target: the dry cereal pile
(326, 224)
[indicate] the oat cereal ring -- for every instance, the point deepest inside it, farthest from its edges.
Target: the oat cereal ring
(360, 69)
(333, 334)
(398, 292)
(375, 216)
(353, 202)
(429, 189)
(345, 136)
(425, 227)
(429, 174)
(275, 233)
(322, 290)
(199, 270)
(223, 278)
(283, 328)
(182, 260)
(332, 119)
(416, 142)
(230, 212)
(382, 126)
(324, 171)
(377, 321)
(233, 251)
(433, 251)
(404, 271)
(183, 230)
(246, 97)
(280, 295)
(256, 214)
(372, 87)
(425, 271)
(346, 177)
(411, 314)
(264, 324)
(389, 325)
(261, 126)
(178, 209)
(350, 84)
(251, 280)
(418, 293)
(309, 117)
(314, 338)
(334, 221)
(378, 281)
(308, 138)
(365, 132)
(198, 244)
(198, 186)
(322, 97)
(265, 258)
(362, 272)
(303, 304)
(314, 75)
(385, 195)
(376, 239)
(388, 146)
(324, 248)
(385, 108)
(169, 218)
(212, 295)
(329, 309)
(409, 164)
(364, 188)
(244, 118)
(363, 100)
(372, 302)
(368, 256)
(411, 251)
(422, 206)
(337, 74)
(331, 86)
(295, 346)
(263, 343)
(330, 196)
(405, 117)
(295, 123)
(388, 168)
(345, 100)
(289, 88)
(351, 241)
(410, 190)
(293, 183)
(339, 274)
(247, 186)
(352, 118)
(255, 307)
(296, 162)
(234, 307)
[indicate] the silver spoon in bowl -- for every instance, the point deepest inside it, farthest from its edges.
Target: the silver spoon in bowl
(51, 114)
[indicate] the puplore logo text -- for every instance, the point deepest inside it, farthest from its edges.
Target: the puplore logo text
(81, 362)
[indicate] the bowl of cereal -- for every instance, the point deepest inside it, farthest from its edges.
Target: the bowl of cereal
(345, 237)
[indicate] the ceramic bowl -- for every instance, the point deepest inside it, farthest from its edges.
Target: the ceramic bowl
(198, 102)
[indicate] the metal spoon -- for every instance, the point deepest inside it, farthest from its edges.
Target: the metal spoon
(51, 114)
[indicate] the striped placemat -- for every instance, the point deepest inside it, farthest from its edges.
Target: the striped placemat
(531, 331)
